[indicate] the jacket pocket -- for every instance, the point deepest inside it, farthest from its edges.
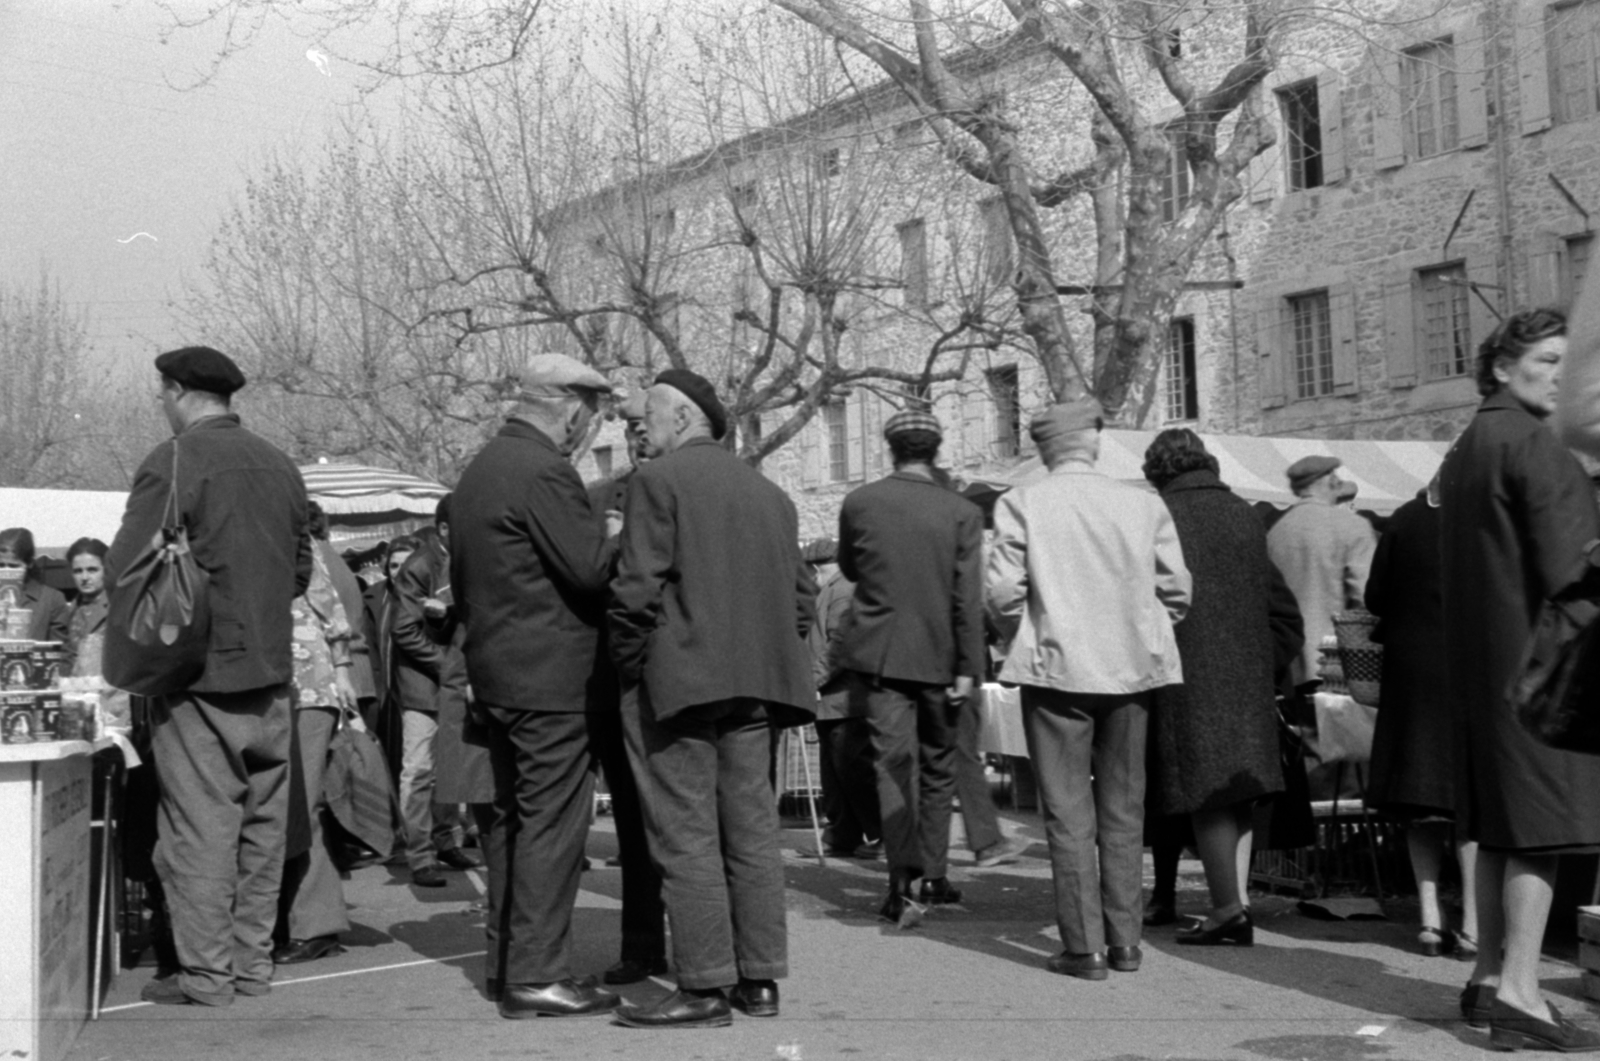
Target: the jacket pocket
(227, 635)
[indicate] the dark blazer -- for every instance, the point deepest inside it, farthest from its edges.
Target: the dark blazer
(424, 660)
(914, 549)
(51, 617)
(712, 601)
(1516, 511)
(244, 504)
(530, 564)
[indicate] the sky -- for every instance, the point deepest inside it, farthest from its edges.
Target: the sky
(101, 139)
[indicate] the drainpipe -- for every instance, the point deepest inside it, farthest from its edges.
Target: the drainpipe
(1502, 153)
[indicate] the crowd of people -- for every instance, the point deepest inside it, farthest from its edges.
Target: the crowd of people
(666, 623)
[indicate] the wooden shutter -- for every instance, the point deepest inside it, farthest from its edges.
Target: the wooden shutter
(813, 449)
(1471, 103)
(975, 407)
(1272, 355)
(1342, 317)
(1482, 269)
(1533, 67)
(855, 454)
(1544, 274)
(1261, 174)
(1330, 109)
(1400, 332)
(1388, 139)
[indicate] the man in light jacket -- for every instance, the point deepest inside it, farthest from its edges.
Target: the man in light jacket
(1085, 580)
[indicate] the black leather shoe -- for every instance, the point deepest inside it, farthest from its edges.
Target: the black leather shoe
(904, 911)
(307, 950)
(1238, 930)
(455, 858)
(1083, 966)
(1124, 959)
(632, 970)
(1156, 914)
(1477, 1004)
(428, 877)
(1512, 1029)
(494, 990)
(564, 998)
(755, 998)
(938, 891)
(680, 1010)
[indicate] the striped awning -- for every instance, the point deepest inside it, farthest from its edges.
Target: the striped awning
(349, 489)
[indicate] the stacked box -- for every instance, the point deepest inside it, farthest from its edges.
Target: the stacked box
(1589, 949)
(30, 716)
(16, 665)
(48, 660)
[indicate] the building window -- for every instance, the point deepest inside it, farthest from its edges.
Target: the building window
(1442, 296)
(602, 461)
(996, 240)
(914, 261)
(1302, 121)
(1428, 96)
(1006, 391)
(1574, 48)
(1574, 267)
(828, 163)
(1311, 326)
(834, 417)
(1181, 388)
(1175, 181)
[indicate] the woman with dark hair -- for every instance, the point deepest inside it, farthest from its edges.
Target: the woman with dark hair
(49, 614)
(1516, 512)
(86, 622)
(1215, 737)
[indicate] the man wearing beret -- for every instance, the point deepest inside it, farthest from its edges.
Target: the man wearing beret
(529, 564)
(1324, 551)
(221, 747)
(914, 647)
(1085, 581)
(710, 610)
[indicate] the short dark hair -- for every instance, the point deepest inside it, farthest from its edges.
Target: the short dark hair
(1172, 453)
(441, 511)
(913, 447)
(1514, 337)
(405, 543)
(92, 546)
(20, 541)
(318, 521)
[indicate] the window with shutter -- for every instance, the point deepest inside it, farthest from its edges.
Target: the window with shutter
(1175, 181)
(1179, 385)
(914, 261)
(1443, 320)
(1575, 266)
(1302, 123)
(1428, 99)
(1310, 340)
(1006, 393)
(996, 240)
(1574, 56)
(835, 418)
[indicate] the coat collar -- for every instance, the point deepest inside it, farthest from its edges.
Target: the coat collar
(1199, 479)
(515, 428)
(220, 422)
(1503, 399)
(908, 477)
(701, 440)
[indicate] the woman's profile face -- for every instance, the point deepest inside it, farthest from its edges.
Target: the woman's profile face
(397, 560)
(89, 572)
(1534, 377)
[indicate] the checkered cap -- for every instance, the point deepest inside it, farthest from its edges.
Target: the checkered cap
(912, 420)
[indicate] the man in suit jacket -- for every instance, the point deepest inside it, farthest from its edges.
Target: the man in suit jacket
(530, 565)
(914, 645)
(710, 609)
(222, 746)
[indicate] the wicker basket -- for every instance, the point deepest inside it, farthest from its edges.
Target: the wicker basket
(1363, 658)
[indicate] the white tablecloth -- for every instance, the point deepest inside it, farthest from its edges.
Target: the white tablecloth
(1001, 711)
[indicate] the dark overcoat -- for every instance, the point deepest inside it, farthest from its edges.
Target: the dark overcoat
(419, 663)
(530, 564)
(1516, 512)
(1216, 735)
(244, 504)
(711, 601)
(1413, 748)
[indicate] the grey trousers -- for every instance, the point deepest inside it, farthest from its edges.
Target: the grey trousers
(982, 821)
(1088, 755)
(712, 823)
(430, 827)
(313, 897)
(914, 747)
(223, 763)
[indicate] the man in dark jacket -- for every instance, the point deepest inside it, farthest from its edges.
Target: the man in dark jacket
(915, 646)
(221, 748)
(530, 564)
(710, 609)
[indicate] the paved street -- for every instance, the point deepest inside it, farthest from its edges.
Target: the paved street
(967, 985)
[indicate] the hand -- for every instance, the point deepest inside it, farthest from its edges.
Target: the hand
(353, 719)
(961, 691)
(434, 608)
(344, 690)
(613, 522)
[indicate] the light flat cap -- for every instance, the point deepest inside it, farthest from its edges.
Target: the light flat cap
(201, 368)
(1307, 470)
(913, 420)
(552, 375)
(1066, 418)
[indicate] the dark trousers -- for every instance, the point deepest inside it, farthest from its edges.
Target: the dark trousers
(312, 901)
(223, 763)
(544, 792)
(849, 782)
(644, 936)
(712, 820)
(1088, 754)
(914, 747)
(972, 785)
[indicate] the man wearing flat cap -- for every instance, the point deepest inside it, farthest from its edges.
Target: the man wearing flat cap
(710, 610)
(1085, 582)
(914, 648)
(221, 747)
(529, 563)
(1324, 551)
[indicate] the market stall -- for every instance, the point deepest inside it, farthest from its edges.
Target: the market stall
(367, 505)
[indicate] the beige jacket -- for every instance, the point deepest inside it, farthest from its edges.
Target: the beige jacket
(1324, 553)
(1086, 579)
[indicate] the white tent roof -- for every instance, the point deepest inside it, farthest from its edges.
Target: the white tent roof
(58, 518)
(350, 489)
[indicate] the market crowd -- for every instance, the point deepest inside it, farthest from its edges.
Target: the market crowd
(667, 623)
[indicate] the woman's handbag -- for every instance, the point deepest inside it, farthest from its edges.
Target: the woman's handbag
(1556, 691)
(158, 627)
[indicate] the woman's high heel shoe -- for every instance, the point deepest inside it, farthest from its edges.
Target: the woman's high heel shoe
(1434, 941)
(1238, 931)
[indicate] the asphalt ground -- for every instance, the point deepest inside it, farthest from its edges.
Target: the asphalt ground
(968, 984)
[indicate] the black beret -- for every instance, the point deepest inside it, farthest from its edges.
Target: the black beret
(699, 390)
(201, 368)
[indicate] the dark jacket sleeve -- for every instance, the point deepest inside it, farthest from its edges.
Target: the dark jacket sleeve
(1377, 595)
(839, 603)
(648, 558)
(58, 616)
(805, 600)
(1288, 628)
(413, 584)
(968, 591)
(302, 559)
(1558, 510)
(570, 542)
(847, 544)
(141, 519)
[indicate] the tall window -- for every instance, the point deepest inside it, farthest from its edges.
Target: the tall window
(1175, 181)
(1181, 389)
(1574, 48)
(1311, 328)
(1575, 266)
(914, 261)
(996, 240)
(1428, 95)
(1302, 121)
(834, 418)
(828, 163)
(1442, 305)
(1006, 392)
(602, 461)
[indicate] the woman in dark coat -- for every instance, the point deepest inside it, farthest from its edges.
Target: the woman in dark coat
(1517, 512)
(50, 616)
(1413, 762)
(1216, 735)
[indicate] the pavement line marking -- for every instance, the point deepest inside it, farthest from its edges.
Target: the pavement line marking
(475, 875)
(332, 976)
(1024, 946)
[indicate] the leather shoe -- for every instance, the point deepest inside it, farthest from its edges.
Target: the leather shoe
(632, 970)
(428, 877)
(1001, 853)
(904, 911)
(455, 858)
(938, 891)
(1156, 914)
(1511, 1029)
(494, 990)
(1238, 930)
(1477, 1004)
(307, 950)
(564, 998)
(755, 998)
(1083, 966)
(680, 1010)
(1124, 959)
